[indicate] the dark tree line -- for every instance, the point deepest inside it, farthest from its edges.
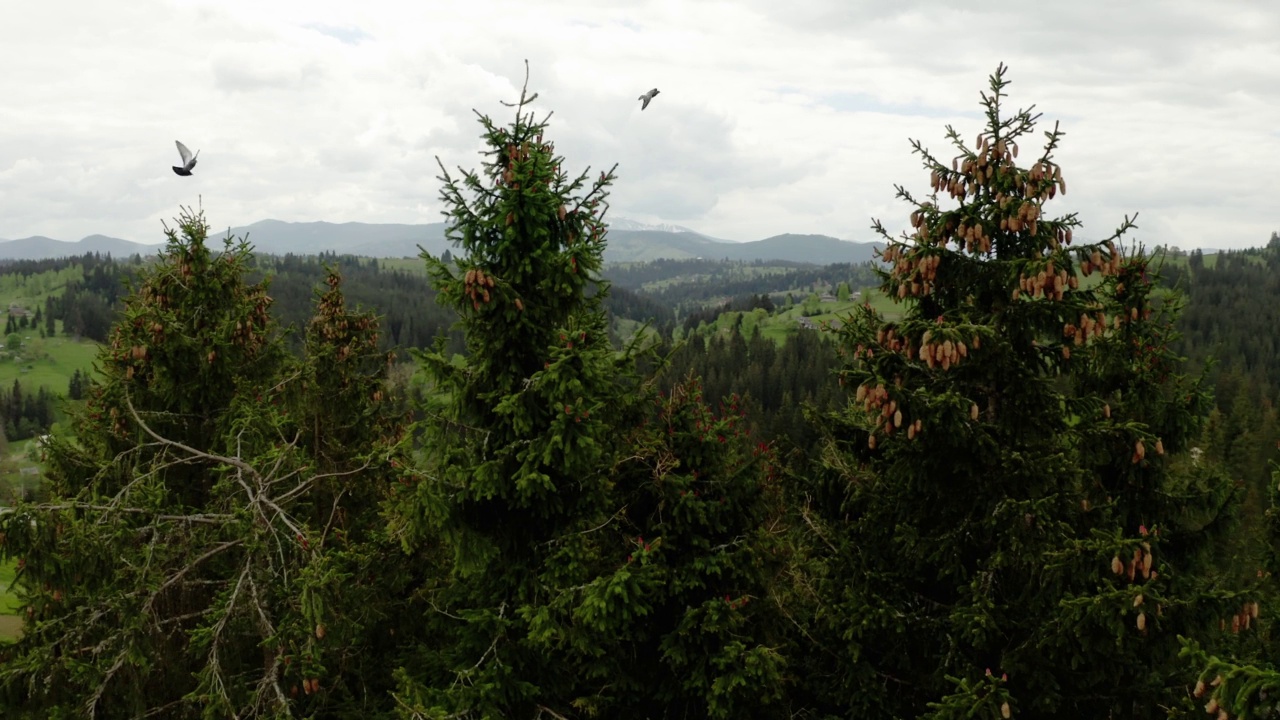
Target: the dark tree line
(410, 315)
(745, 303)
(88, 306)
(25, 413)
(412, 318)
(23, 322)
(1232, 315)
(30, 268)
(78, 385)
(1230, 330)
(634, 275)
(84, 313)
(405, 300)
(776, 382)
(640, 307)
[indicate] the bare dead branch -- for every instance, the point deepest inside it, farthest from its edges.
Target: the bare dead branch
(234, 462)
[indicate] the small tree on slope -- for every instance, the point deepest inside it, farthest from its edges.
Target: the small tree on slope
(1000, 527)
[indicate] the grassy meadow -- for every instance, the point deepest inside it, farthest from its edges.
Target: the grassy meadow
(47, 361)
(785, 321)
(9, 623)
(41, 361)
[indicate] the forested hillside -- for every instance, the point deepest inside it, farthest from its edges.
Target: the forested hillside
(1230, 301)
(1232, 315)
(977, 478)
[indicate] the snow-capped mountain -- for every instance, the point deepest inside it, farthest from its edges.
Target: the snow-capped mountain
(628, 224)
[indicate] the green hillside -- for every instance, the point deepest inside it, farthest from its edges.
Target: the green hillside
(9, 623)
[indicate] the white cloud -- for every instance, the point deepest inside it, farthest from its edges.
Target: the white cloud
(772, 117)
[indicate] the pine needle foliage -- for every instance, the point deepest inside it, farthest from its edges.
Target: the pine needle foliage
(1240, 679)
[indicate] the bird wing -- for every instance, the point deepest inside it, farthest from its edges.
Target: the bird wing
(184, 152)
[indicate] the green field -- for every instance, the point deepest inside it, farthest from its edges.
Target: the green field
(41, 361)
(413, 265)
(31, 291)
(47, 361)
(10, 624)
(8, 603)
(733, 273)
(626, 328)
(785, 322)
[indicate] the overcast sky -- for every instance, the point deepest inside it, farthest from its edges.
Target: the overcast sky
(770, 119)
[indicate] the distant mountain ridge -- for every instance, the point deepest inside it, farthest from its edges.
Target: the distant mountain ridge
(629, 241)
(39, 247)
(382, 240)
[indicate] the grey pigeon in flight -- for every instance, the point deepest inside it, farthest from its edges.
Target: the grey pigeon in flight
(188, 160)
(647, 97)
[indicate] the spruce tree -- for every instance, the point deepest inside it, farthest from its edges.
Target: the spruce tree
(518, 454)
(999, 528)
(50, 322)
(590, 561)
(197, 556)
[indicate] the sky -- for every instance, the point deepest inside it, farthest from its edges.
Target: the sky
(773, 117)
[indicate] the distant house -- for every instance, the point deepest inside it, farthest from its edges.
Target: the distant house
(857, 295)
(806, 323)
(17, 310)
(827, 297)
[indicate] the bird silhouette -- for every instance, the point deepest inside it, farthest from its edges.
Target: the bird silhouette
(188, 160)
(647, 97)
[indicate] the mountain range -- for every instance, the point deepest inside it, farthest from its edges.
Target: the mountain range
(38, 247)
(628, 241)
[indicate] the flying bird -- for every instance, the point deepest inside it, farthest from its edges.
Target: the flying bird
(647, 97)
(188, 160)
